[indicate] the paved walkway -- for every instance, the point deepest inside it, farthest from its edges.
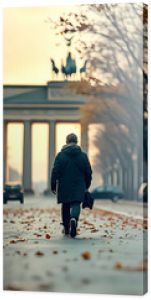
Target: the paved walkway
(128, 208)
(107, 255)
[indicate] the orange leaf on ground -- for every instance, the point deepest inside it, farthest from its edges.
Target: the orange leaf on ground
(39, 253)
(21, 240)
(87, 222)
(145, 226)
(119, 265)
(86, 255)
(141, 268)
(12, 242)
(47, 236)
(94, 230)
(125, 221)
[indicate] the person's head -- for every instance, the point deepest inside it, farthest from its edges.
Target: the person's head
(71, 138)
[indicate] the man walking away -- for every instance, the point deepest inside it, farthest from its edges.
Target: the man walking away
(71, 177)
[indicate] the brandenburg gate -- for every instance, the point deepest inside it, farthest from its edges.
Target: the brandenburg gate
(55, 102)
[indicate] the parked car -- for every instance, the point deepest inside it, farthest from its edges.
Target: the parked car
(107, 192)
(13, 191)
(143, 192)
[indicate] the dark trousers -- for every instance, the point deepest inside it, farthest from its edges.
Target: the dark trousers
(68, 211)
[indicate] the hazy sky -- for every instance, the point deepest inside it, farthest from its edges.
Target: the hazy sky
(29, 43)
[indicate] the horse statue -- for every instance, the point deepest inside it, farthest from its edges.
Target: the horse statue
(54, 68)
(83, 69)
(70, 67)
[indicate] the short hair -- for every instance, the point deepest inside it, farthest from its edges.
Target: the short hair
(71, 138)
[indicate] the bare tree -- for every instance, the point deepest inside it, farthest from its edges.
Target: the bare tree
(110, 37)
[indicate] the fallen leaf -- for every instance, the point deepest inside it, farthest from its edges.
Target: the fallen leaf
(141, 268)
(87, 223)
(38, 235)
(125, 222)
(12, 242)
(39, 253)
(55, 252)
(94, 230)
(21, 240)
(119, 265)
(145, 226)
(47, 236)
(86, 255)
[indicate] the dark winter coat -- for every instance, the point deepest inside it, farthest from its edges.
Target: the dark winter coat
(73, 172)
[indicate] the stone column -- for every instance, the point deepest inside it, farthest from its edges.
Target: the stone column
(120, 176)
(4, 151)
(51, 151)
(108, 178)
(84, 138)
(115, 177)
(27, 160)
(125, 182)
(105, 178)
(112, 176)
(130, 181)
(135, 179)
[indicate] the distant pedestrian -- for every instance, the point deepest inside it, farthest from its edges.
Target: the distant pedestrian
(71, 177)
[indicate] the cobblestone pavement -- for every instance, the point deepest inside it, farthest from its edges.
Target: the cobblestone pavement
(107, 256)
